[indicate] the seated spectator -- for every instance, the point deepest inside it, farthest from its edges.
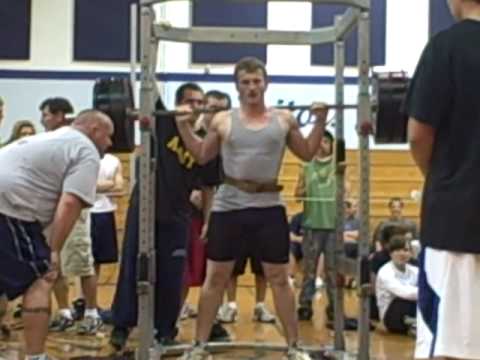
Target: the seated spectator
(396, 287)
(380, 258)
(395, 205)
(351, 229)
(21, 129)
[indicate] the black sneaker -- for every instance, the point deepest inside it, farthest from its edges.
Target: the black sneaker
(166, 341)
(78, 309)
(119, 337)
(218, 333)
(305, 314)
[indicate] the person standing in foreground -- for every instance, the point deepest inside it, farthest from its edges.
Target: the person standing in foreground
(45, 180)
(247, 213)
(444, 131)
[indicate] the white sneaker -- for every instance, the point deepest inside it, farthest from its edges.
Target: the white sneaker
(227, 314)
(297, 354)
(261, 314)
(187, 312)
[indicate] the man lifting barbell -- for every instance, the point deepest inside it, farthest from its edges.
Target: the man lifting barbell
(247, 211)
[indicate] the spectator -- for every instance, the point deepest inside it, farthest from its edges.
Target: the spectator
(396, 287)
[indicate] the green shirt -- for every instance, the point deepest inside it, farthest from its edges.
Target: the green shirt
(320, 184)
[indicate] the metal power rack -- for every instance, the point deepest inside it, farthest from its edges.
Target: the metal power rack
(358, 14)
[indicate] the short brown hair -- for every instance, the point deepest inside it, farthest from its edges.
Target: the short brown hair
(249, 64)
(397, 242)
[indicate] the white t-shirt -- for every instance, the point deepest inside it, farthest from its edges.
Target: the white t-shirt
(392, 283)
(36, 170)
(108, 168)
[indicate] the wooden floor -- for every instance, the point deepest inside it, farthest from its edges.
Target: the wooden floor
(68, 346)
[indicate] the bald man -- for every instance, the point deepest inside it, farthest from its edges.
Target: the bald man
(45, 180)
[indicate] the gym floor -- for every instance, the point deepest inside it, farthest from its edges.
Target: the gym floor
(65, 346)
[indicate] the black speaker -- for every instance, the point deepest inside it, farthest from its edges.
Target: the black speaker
(391, 119)
(114, 97)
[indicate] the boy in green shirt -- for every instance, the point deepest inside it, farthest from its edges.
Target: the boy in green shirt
(317, 182)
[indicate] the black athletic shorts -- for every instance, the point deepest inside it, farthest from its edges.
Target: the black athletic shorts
(259, 232)
(241, 264)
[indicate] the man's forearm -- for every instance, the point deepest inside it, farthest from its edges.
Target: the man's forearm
(421, 137)
(105, 185)
(192, 142)
(315, 137)
(422, 154)
(67, 213)
(207, 201)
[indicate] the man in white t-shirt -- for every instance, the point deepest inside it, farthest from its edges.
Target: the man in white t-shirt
(396, 287)
(45, 180)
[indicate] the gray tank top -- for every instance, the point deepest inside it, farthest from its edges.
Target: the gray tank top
(254, 155)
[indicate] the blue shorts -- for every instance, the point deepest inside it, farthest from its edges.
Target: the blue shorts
(24, 255)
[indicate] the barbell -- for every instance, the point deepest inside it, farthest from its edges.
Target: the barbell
(115, 98)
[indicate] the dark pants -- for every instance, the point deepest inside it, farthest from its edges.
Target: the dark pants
(315, 243)
(394, 319)
(170, 252)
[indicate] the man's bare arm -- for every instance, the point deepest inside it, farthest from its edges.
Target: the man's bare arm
(305, 149)
(67, 213)
(203, 150)
(421, 137)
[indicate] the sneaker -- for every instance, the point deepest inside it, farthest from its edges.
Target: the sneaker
(196, 353)
(227, 314)
(304, 313)
(60, 323)
(187, 312)
(297, 354)
(218, 333)
(89, 325)
(119, 337)
(166, 341)
(78, 309)
(261, 314)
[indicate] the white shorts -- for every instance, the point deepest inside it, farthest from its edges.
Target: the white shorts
(448, 317)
